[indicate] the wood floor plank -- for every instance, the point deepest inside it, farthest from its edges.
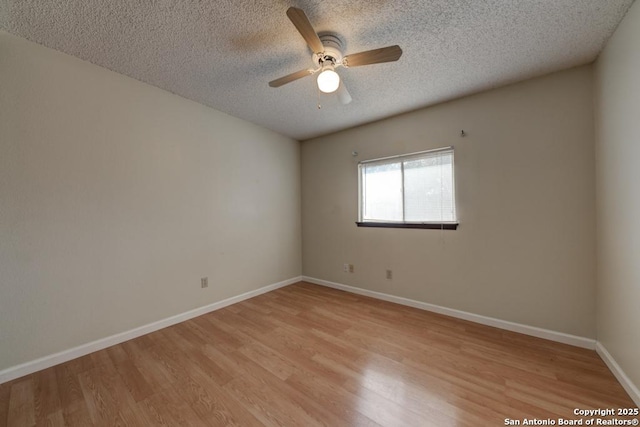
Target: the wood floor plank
(5, 394)
(220, 335)
(102, 405)
(55, 419)
(337, 400)
(169, 406)
(275, 304)
(422, 395)
(269, 359)
(133, 380)
(46, 399)
(77, 414)
(210, 368)
(389, 413)
(151, 369)
(267, 406)
(309, 355)
(22, 410)
(81, 364)
(212, 403)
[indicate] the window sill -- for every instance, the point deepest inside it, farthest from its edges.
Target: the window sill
(431, 225)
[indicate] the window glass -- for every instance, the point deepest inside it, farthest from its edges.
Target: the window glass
(414, 188)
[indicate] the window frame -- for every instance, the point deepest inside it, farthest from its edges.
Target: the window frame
(437, 225)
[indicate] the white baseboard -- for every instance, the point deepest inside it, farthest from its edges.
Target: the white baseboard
(624, 380)
(484, 320)
(84, 349)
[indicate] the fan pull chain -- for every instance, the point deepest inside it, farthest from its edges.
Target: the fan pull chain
(319, 105)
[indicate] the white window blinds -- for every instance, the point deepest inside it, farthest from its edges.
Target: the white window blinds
(413, 188)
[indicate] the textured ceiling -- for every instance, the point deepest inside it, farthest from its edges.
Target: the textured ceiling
(223, 53)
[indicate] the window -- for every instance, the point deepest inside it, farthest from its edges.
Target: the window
(409, 191)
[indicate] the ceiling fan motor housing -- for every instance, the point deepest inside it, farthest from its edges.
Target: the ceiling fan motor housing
(332, 50)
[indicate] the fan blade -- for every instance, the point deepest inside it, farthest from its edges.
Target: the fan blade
(301, 22)
(375, 56)
(289, 78)
(343, 94)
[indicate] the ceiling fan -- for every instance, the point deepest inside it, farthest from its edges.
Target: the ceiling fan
(327, 56)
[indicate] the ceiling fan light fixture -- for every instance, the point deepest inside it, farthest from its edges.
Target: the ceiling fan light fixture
(328, 80)
(327, 55)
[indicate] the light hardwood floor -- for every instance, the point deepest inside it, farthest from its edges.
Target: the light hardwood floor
(305, 355)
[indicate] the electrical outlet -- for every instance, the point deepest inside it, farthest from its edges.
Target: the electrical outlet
(345, 268)
(350, 268)
(204, 282)
(389, 274)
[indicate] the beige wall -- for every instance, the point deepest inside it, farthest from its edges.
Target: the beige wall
(116, 197)
(525, 248)
(618, 194)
